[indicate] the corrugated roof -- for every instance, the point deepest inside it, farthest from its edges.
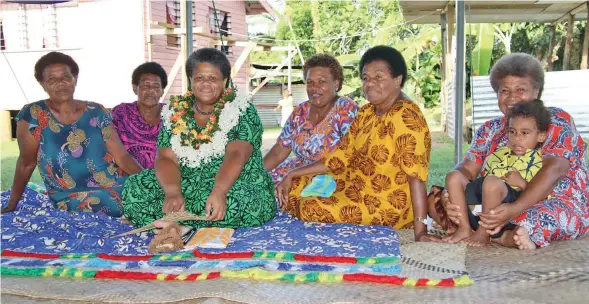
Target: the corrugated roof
(480, 11)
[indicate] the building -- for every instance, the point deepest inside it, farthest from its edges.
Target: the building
(109, 38)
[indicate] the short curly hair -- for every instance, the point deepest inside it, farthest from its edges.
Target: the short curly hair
(391, 56)
(518, 65)
(326, 61)
(150, 68)
(535, 110)
(211, 56)
(55, 58)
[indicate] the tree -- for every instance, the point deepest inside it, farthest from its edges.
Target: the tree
(299, 14)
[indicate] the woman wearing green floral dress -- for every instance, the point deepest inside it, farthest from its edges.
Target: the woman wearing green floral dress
(209, 161)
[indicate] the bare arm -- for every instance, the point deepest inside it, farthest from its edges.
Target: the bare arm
(554, 168)
(419, 199)
(26, 163)
(167, 171)
(316, 167)
(237, 154)
(122, 158)
(275, 157)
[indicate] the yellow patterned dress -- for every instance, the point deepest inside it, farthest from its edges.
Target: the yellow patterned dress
(371, 168)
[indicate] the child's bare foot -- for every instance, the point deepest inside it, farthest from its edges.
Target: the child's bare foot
(479, 238)
(517, 238)
(459, 235)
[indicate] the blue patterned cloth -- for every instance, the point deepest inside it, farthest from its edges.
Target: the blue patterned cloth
(77, 170)
(37, 226)
(321, 186)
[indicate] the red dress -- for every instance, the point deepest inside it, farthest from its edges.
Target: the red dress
(565, 215)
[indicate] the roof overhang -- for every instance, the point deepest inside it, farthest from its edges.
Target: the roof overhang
(257, 7)
(506, 11)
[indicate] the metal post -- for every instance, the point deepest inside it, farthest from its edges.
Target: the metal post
(189, 25)
(459, 85)
(189, 34)
(289, 66)
(444, 69)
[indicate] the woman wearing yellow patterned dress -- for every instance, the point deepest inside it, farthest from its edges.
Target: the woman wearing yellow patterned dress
(381, 165)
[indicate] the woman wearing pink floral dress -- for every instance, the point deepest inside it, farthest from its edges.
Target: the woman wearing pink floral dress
(138, 123)
(316, 126)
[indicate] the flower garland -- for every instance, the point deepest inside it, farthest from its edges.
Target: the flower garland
(195, 148)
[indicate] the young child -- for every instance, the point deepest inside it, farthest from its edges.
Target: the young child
(506, 173)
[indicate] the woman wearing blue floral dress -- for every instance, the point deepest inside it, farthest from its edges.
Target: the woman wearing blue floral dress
(72, 142)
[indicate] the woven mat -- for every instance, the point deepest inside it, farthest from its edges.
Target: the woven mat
(556, 274)
(419, 260)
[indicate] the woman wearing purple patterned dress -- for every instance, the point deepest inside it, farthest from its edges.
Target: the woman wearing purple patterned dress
(138, 123)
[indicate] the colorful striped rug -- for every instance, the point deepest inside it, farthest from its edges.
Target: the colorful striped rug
(39, 241)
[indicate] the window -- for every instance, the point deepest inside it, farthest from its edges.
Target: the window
(226, 49)
(22, 27)
(224, 22)
(50, 28)
(224, 28)
(2, 41)
(173, 17)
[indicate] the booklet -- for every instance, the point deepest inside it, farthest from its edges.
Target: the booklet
(210, 238)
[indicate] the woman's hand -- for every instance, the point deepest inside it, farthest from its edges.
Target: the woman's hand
(497, 217)
(216, 206)
(283, 189)
(173, 203)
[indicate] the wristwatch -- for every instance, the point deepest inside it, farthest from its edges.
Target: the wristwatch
(421, 220)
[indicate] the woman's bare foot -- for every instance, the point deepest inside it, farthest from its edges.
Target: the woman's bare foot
(522, 239)
(161, 224)
(459, 235)
(124, 220)
(479, 238)
(517, 238)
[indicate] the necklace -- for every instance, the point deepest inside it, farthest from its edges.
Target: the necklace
(200, 111)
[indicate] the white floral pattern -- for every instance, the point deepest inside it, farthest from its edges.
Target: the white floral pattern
(36, 226)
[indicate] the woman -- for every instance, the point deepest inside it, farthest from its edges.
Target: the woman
(138, 123)
(72, 142)
(381, 165)
(286, 106)
(564, 176)
(316, 126)
(209, 160)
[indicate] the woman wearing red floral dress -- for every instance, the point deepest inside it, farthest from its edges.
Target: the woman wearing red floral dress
(555, 204)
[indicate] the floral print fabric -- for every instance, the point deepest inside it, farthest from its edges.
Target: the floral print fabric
(78, 172)
(565, 214)
(138, 136)
(250, 201)
(371, 167)
(309, 143)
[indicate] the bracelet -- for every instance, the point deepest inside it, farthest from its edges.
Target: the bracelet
(421, 220)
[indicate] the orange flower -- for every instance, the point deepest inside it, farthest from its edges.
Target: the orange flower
(37, 133)
(43, 119)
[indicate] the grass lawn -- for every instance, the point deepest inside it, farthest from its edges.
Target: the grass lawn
(8, 156)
